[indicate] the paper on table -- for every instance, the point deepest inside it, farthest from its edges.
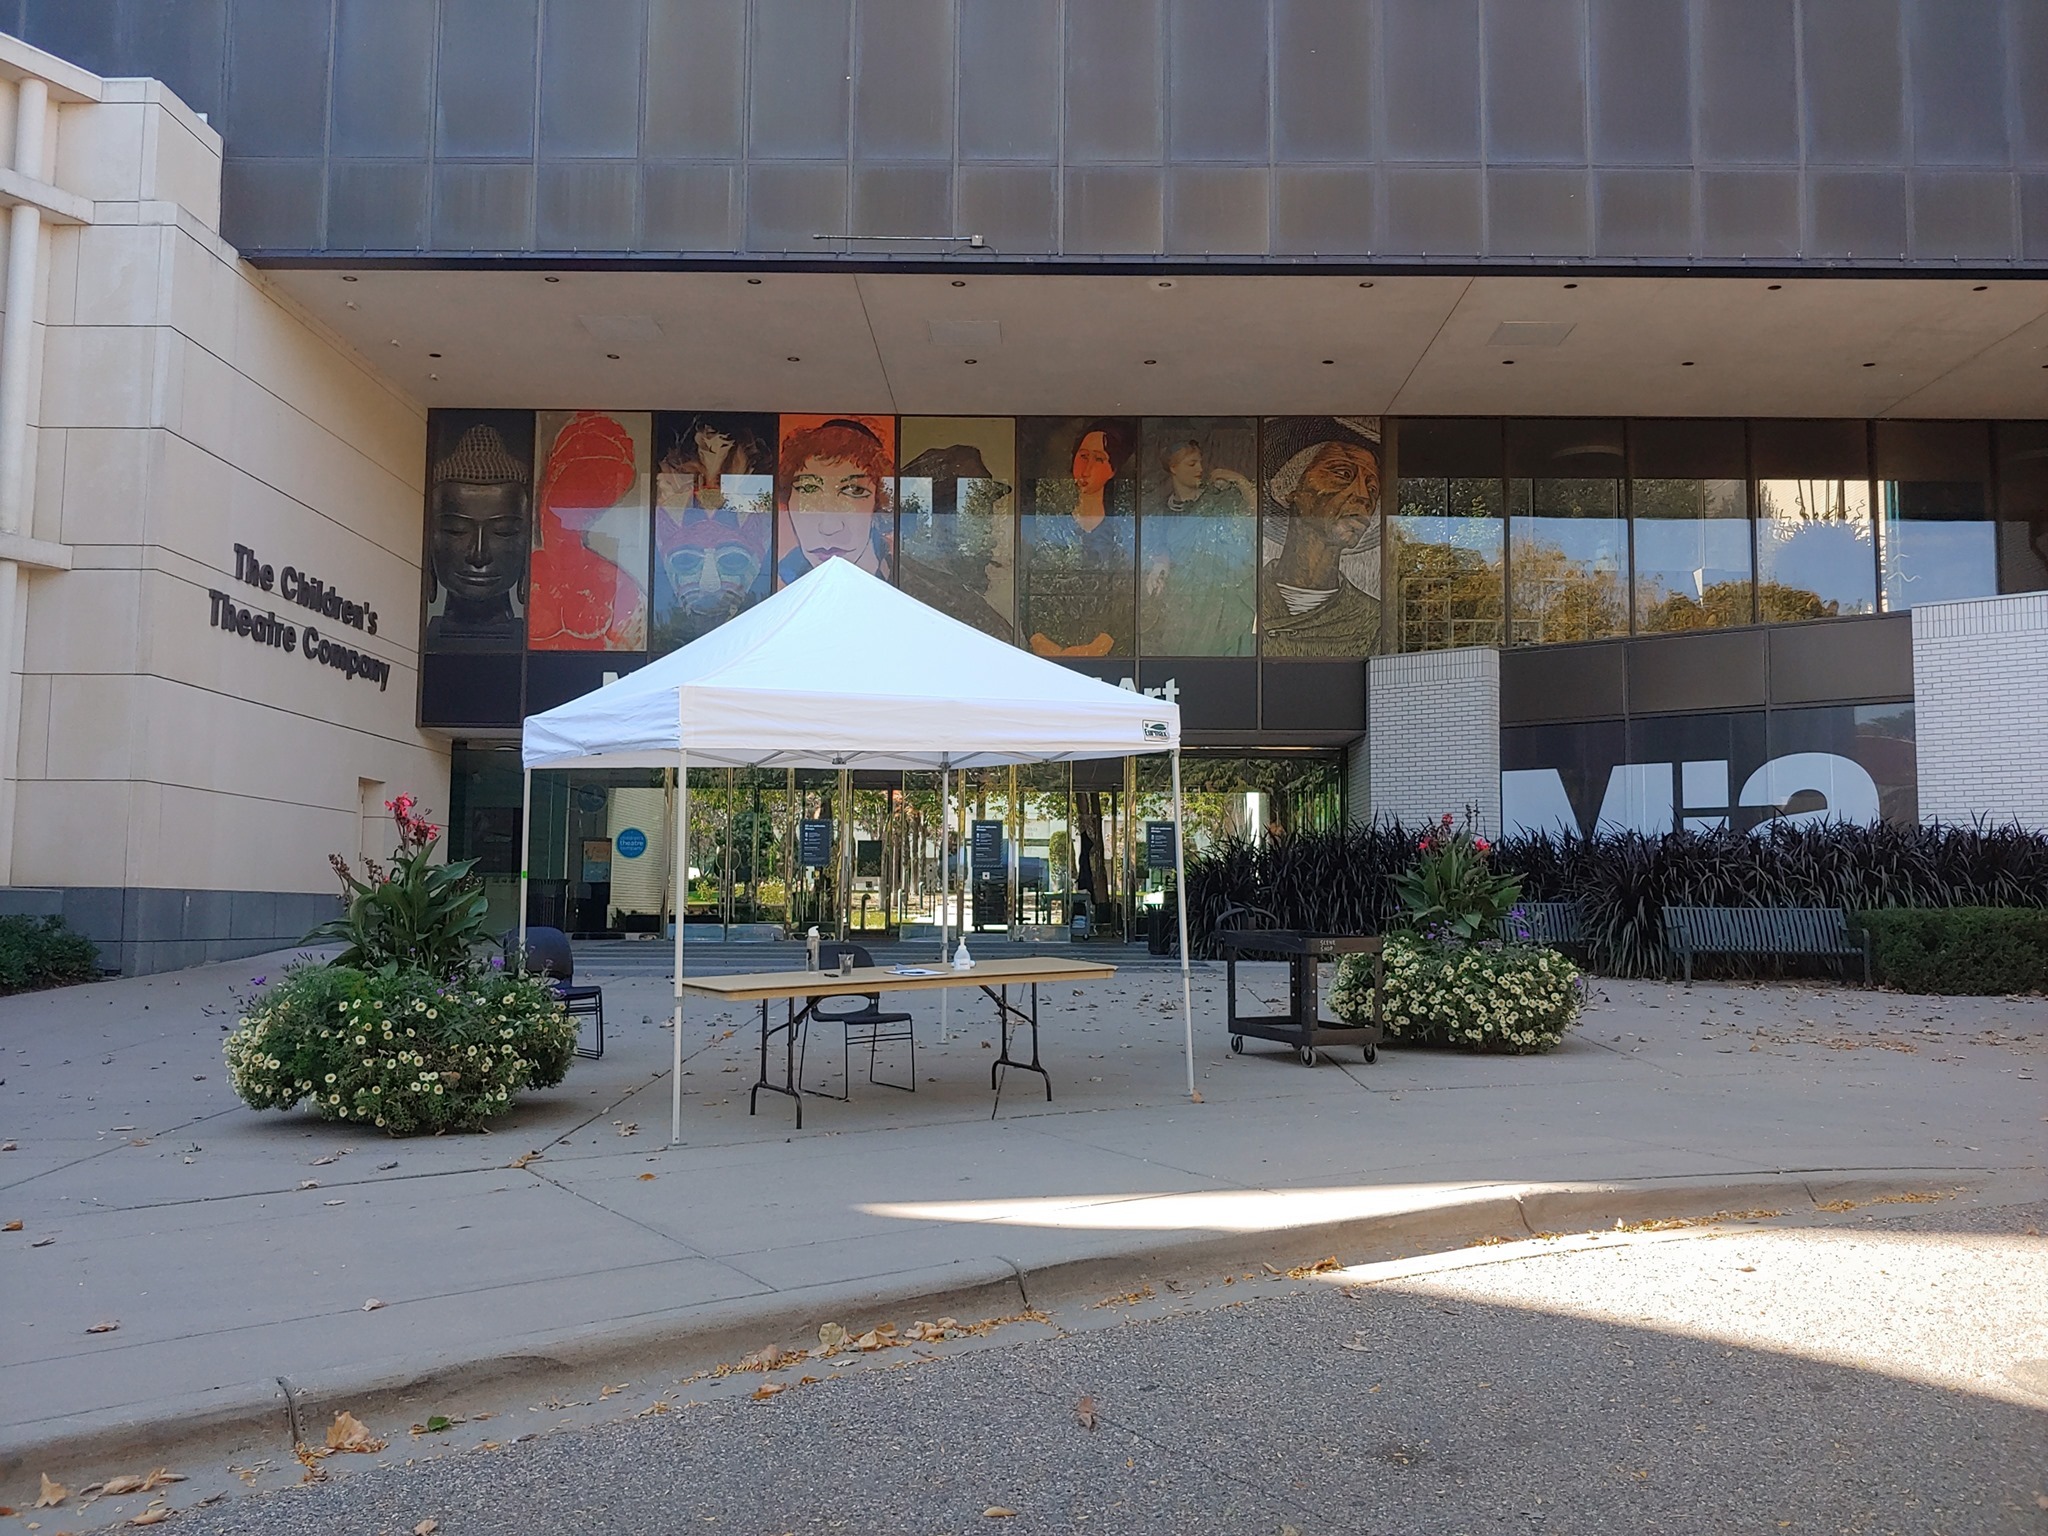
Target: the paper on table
(911, 970)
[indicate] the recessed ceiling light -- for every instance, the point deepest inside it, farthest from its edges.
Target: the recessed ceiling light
(1164, 282)
(1151, 362)
(1507, 362)
(346, 278)
(959, 282)
(435, 377)
(753, 282)
(1981, 288)
(1774, 287)
(551, 279)
(1685, 365)
(613, 356)
(1329, 362)
(433, 354)
(1571, 285)
(792, 359)
(1870, 365)
(1365, 285)
(970, 361)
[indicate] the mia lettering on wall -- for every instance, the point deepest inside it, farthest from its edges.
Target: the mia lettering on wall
(1851, 763)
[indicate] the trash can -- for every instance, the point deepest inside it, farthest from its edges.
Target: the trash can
(1162, 929)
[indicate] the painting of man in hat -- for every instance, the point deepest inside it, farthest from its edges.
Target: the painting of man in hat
(1319, 587)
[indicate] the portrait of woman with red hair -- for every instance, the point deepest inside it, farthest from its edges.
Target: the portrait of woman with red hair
(834, 483)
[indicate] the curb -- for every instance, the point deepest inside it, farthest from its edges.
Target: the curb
(275, 1411)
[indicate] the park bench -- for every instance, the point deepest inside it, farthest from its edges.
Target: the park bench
(1553, 924)
(1779, 931)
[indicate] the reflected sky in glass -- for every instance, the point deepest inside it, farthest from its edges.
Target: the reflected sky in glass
(1814, 542)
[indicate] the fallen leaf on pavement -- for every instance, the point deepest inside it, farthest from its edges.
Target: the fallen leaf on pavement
(107, 1327)
(1084, 1411)
(1196, 1096)
(7, 1146)
(831, 1338)
(426, 1528)
(518, 1162)
(52, 1495)
(646, 1178)
(769, 1389)
(349, 1433)
(42, 1242)
(127, 1482)
(159, 1477)
(770, 1357)
(998, 1512)
(12, 1226)
(156, 1514)
(372, 1304)
(1320, 1267)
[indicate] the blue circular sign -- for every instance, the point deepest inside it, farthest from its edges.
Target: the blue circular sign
(632, 843)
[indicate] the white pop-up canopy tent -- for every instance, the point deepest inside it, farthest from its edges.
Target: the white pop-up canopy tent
(842, 670)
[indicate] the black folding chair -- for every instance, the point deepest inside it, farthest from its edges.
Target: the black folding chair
(548, 954)
(865, 1025)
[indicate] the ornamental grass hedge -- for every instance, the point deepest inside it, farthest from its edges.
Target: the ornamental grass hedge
(1960, 951)
(1343, 880)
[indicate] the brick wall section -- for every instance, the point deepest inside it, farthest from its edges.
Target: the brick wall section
(1434, 733)
(1980, 701)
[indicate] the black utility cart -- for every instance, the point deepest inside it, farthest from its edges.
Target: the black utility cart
(1302, 1026)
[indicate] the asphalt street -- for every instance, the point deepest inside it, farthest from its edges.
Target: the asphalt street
(1882, 1369)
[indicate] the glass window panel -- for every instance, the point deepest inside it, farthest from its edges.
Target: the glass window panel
(1567, 558)
(1815, 553)
(1692, 554)
(1319, 579)
(1198, 536)
(1431, 84)
(714, 520)
(957, 511)
(589, 559)
(1448, 537)
(835, 483)
(798, 102)
(2022, 506)
(1079, 554)
(1940, 543)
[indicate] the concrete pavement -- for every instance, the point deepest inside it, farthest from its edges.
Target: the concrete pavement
(237, 1249)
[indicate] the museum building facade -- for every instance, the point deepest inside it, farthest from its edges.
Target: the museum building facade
(1646, 435)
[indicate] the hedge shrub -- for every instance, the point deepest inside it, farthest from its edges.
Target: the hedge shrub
(1960, 951)
(395, 1049)
(1511, 998)
(38, 952)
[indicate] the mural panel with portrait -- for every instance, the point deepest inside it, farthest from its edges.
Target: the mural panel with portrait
(714, 521)
(1319, 576)
(1198, 536)
(957, 518)
(479, 529)
(590, 532)
(1078, 587)
(835, 484)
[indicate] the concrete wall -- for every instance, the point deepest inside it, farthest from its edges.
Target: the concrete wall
(193, 781)
(1435, 735)
(1980, 697)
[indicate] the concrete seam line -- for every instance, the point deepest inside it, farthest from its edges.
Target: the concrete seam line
(378, 1388)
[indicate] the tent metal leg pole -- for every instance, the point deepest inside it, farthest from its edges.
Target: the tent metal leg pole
(675, 1087)
(525, 857)
(945, 896)
(1180, 903)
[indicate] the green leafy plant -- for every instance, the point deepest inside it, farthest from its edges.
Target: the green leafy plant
(397, 1048)
(1452, 892)
(416, 913)
(39, 952)
(1960, 951)
(1510, 998)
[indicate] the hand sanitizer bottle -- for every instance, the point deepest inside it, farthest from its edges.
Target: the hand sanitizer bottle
(811, 949)
(962, 961)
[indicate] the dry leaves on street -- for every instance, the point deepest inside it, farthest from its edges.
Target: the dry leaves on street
(372, 1304)
(1320, 1267)
(107, 1327)
(53, 1493)
(349, 1433)
(998, 1512)
(426, 1528)
(134, 1482)
(156, 1514)
(523, 1159)
(771, 1357)
(1084, 1413)
(12, 1226)
(769, 1389)
(831, 1339)
(646, 1178)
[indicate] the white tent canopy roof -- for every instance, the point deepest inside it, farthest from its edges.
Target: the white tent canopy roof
(842, 670)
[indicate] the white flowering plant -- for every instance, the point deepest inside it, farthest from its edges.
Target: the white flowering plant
(1510, 998)
(398, 1049)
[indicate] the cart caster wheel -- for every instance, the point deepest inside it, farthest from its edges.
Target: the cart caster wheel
(1308, 1055)
(1237, 1045)
(1372, 1054)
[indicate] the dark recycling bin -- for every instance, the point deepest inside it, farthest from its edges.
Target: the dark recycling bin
(1162, 930)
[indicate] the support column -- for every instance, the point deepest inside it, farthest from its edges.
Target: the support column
(17, 356)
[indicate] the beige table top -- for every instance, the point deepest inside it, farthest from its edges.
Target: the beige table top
(761, 985)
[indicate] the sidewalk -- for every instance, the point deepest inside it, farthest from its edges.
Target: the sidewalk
(236, 1248)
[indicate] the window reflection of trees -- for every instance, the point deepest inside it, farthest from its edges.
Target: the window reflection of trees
(1696, 531)
(1567, 558)
(1447, 564)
